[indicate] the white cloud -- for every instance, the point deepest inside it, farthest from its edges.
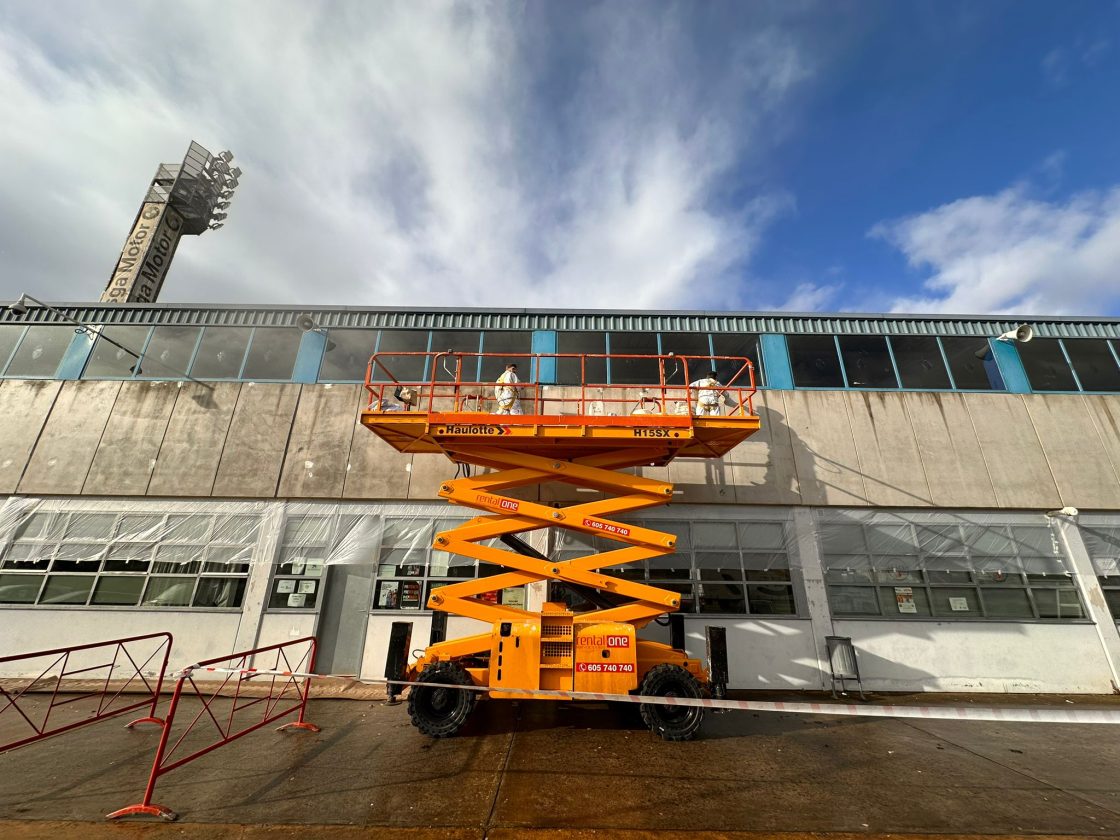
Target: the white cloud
(394, 154)
(1013, 253)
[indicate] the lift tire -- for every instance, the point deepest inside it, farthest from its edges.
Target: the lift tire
(672, 723)
(441, 712)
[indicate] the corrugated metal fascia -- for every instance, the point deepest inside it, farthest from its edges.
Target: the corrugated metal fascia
(520, 319)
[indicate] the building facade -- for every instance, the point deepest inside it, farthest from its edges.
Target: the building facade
(948, 500)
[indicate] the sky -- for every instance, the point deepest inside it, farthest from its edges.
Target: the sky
(930, 156)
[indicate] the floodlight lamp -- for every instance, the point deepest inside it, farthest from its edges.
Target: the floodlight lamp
(235, 172)
(215, 225)
(227, 155)
(222, 205)
(20, 306)
(219, 166)
(232, 183)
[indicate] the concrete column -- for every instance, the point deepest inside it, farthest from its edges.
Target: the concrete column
(260, 576)
(807, 564)
(1085, 578)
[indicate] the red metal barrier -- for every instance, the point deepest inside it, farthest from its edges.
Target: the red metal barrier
(240, 669)
(72, 662)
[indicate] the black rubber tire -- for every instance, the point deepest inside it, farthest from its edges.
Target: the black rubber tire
(441, 712)
(672, 723)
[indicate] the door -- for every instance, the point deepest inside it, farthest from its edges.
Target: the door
(343, 618)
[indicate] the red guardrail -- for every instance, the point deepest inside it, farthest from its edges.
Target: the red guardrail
(85, 661)
(222, 710)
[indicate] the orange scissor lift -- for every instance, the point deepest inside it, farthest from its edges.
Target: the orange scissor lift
(589, 436)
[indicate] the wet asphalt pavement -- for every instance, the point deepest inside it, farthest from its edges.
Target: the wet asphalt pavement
(539, 769)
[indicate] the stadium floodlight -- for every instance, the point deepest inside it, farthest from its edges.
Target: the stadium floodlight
(235, 172)
(222, 205)
(227, 155)
(218, 216)
(215, 225)
(20, 307)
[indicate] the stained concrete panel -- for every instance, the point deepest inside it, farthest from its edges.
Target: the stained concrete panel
(319, 448)
(192, 445)
(70, 438)
(1018, 467)
(702, 481)
(951, 458)
(24, 407)
(824, 451)
(888, 451)
(375, 469)
(1079, 462)
(257, 440)
(426, 474)
(126, 455)
(762, 466)
(1105, 413)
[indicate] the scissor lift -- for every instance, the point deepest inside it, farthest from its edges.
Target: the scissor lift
(587, 436)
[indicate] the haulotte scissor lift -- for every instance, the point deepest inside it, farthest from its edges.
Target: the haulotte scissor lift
(590, 436)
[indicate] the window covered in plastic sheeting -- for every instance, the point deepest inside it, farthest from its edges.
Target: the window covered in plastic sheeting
(1101, 535)
(945, 566)
(116, 553)
(720, 566)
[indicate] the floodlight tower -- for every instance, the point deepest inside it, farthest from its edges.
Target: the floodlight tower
(185, 198)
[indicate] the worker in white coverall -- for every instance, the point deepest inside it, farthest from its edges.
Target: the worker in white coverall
(708, 396)
(506, 393)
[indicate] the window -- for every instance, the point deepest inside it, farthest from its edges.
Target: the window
(1102, 541)
(40, 352)
(465, 341)
(1046, 365)
(1095, 363)
(814, 361)
(272, 354)
(401, 368)
(634, 371)
(304, 550)
(10, 335)
(919, 361)
(695, 345)
(221, 353)
(67, 554)
(719, 567)
(568, 370)
(944, 566)
(737, 344)
(169, 352)
(971, 372)
(108, 361)
(515, 347)
(867, 362)
(347, 355)
(408, 568)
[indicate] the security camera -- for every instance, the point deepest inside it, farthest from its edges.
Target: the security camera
(1066, 511)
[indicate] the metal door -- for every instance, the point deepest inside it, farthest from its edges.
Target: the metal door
(343, 618)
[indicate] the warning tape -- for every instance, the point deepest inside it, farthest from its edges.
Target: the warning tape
(1009, 714)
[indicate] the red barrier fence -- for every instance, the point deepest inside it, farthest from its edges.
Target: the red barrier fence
(223, 701)
(127, 660)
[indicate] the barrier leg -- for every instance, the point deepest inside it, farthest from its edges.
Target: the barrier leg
(146, 807)
(299, 722)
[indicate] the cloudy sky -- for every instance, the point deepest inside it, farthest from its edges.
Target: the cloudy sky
(932, 156)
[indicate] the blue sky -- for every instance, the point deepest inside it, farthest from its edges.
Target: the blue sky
(874, 156)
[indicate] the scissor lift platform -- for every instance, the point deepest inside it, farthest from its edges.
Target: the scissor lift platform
(588, 436)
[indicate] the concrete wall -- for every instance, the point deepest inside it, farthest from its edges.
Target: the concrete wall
(975, 656)
(197, 635)
(252, 440)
